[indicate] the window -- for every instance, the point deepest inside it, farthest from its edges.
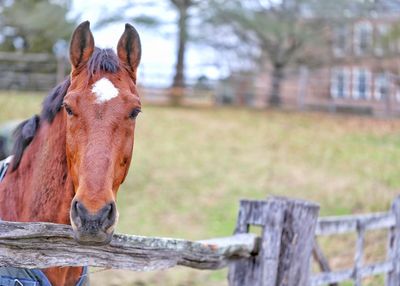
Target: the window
(381, 43)
(339, 83)
(361, 84)
(381, 86)
(340, 45)
(362, 38)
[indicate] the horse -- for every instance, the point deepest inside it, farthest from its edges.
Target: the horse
(70, 160)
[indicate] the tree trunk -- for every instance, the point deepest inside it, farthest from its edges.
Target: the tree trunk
(275, 99)
(177, 92)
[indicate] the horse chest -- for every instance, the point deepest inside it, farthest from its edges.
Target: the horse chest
(12, 276)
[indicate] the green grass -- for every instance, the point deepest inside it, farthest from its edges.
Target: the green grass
(192, 165)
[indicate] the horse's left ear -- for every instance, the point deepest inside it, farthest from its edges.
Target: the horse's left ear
(129, 50)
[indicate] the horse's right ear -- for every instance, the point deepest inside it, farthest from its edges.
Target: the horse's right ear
(129, 50)
(81, 46)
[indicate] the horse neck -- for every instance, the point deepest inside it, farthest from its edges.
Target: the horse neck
(40, 188)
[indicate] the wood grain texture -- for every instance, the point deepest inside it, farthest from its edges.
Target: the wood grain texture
(297, 242)
(288, 228)
(261, 269)
(41, 245)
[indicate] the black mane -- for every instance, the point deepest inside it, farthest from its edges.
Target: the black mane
(101, 60)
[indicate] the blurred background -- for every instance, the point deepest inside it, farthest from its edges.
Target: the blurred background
(242, 99)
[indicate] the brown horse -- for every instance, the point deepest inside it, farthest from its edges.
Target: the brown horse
(70, 161)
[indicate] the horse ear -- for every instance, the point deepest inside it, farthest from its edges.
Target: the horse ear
(129, 49)
(81, 46)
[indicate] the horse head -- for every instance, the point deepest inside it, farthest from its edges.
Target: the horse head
(100, 109)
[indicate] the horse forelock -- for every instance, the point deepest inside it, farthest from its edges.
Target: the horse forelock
(101, 60)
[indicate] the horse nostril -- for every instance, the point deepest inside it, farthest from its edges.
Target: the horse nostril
(80, 209)
(75, 206)
(76, 214)
(108, 216)
(111, 214)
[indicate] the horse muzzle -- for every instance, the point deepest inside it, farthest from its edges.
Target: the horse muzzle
(93, 229)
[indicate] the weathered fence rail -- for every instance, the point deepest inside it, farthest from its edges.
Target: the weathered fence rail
(280, 256)
(41, 245)
(346, 224)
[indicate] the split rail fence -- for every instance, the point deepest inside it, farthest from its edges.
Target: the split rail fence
(281, 255)
(32, 72)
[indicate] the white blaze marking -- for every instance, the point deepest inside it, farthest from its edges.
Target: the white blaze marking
(104, 90)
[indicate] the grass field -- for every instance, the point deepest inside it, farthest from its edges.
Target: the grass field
(192, 165)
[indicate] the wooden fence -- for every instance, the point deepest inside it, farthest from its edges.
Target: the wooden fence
(281, 255)
(360, 224)
(31, 71)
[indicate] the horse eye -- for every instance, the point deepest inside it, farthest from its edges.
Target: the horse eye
(134, 113)
(68, 110)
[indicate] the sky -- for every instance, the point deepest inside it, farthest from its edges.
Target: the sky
(158, 49)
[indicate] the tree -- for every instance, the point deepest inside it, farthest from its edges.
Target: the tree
(182, 8)
(34, 25)
(282, 33)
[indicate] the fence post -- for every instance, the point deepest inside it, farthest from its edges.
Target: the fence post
(393, 277)
(302, 87)
(288, 230)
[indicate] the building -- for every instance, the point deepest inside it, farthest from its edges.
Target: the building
(363, 74)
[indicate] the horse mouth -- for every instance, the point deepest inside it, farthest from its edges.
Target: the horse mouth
(92, 236)
(93, 239)
(93, 229)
